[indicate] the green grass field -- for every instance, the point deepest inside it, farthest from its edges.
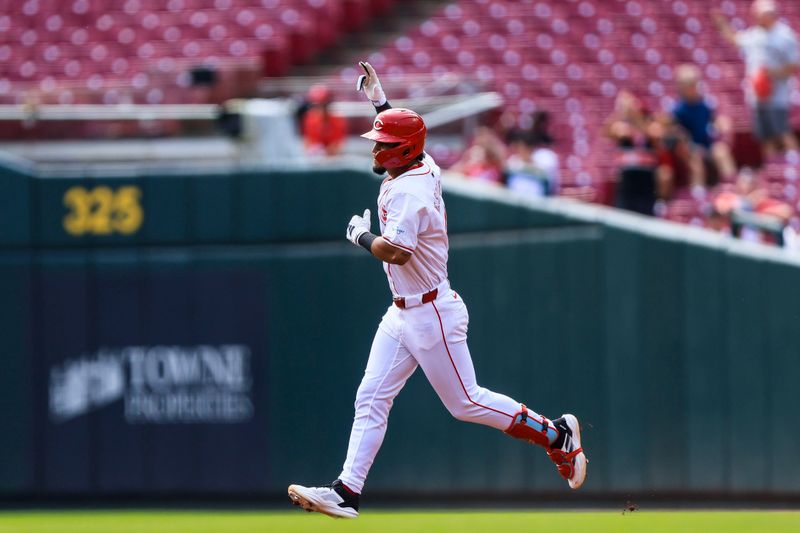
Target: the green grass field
(400, 521)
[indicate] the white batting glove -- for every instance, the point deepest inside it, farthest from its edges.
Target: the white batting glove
(371, 85)
(358, 226)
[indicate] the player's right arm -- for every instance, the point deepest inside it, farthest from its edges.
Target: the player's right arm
(371, 85)
(388, 253)
(358, 233)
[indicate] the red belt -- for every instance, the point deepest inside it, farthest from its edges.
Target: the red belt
(427, 297)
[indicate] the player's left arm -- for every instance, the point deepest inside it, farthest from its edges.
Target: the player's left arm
(358, 233)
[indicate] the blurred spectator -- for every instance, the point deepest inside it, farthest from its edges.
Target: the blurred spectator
(324, 132)
(483, 160)
(708, 131)
(637, 160)
(532, 166)
(749, 195)
(677, 167)
(771, 54)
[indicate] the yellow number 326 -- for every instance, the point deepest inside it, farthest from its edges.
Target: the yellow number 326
(103, 210)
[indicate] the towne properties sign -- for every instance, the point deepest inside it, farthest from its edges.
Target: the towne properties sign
(153, 380)
(157, 384)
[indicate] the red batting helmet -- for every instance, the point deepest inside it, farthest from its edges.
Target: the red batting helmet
(401, 126)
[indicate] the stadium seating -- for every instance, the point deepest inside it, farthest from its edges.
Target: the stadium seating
(570, 57)
(141, 51)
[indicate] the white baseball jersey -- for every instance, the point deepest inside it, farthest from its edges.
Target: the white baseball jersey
(413, 218)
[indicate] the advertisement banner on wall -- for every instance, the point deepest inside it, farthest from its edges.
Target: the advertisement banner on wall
(157, 384)
(153, 380)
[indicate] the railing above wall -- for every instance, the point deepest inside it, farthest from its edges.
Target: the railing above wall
(585, 213)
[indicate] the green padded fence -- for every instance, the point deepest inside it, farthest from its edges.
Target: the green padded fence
(678, 349)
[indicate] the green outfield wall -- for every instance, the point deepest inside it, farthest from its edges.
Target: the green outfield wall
(205, 334)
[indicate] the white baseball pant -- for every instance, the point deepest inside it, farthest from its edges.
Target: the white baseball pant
(433, 336)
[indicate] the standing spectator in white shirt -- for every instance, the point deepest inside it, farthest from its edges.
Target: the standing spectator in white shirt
(772, 57)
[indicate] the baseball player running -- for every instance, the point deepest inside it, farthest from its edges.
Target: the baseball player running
(426, 325)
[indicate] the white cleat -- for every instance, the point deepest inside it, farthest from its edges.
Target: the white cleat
(334, 500)
(569, 458)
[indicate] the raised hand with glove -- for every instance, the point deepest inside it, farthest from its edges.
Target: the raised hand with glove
(371, 85)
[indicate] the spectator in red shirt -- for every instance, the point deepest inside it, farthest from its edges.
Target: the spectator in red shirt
(324, 132)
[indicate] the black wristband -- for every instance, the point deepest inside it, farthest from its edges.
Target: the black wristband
(381, 108)
(365, 240)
